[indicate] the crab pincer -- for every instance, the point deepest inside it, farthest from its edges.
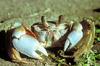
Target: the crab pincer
(74, 36)
(25, 42)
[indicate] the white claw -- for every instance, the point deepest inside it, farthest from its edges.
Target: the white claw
(42, 50)
(35, 55)
(74, 37)
(66, 45)
(27, 44)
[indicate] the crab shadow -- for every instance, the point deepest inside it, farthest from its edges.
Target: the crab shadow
(96, 10)
(3, 51)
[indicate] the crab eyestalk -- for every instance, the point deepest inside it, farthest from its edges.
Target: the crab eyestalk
(60, 19)
(44, 22)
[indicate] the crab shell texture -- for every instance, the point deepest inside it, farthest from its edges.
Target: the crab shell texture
(45, 36)
(51, 33)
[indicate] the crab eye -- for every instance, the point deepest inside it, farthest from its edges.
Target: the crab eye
(54, 30)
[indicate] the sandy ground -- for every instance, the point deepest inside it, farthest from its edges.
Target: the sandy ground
(29, 8)
(30, 11)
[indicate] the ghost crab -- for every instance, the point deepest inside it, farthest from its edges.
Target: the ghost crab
(54, 34)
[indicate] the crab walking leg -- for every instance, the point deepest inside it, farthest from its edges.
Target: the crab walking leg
(17, 56)
(14, 55)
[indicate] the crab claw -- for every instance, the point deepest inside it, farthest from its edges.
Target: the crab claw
(25, 41)
(74, 36)
(42, 50)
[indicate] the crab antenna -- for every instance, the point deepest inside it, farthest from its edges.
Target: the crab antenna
(60, 19)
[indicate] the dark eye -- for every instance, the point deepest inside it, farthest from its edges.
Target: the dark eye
(54, 30)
